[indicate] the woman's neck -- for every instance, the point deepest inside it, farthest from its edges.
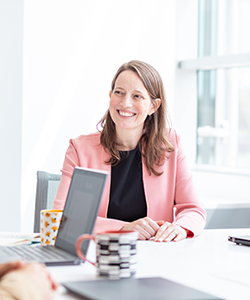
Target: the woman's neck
(127, 140)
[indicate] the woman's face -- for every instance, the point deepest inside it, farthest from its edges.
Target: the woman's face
(130, 103)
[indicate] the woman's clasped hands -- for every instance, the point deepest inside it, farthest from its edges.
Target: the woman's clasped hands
(159, 231)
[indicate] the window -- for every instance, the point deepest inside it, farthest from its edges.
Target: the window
(212, 99)
(223, 84)
(223, 133)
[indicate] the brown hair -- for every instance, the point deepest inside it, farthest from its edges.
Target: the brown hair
(153, 144)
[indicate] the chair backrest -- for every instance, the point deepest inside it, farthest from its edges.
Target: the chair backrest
(46, 189)
(228, 216)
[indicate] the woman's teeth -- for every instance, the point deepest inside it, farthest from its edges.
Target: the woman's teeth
(125, 114)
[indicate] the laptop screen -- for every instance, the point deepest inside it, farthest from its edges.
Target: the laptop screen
(81, 208)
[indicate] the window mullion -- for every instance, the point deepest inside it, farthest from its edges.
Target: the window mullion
(215, 62)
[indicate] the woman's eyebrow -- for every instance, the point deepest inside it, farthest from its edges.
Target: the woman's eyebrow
(138, 91)
(118, 87)
(134, 91)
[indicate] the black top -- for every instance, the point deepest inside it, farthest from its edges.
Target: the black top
(127, 199)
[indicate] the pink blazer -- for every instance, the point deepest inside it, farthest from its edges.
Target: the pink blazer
(174, 188)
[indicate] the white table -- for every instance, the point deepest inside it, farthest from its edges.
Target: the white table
(208, 262)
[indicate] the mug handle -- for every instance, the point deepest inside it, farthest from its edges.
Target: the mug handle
(78, 246)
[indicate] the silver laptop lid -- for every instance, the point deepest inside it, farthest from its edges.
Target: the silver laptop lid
(81, 208)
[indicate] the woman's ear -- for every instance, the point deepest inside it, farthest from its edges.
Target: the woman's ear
(110, 93)
(157, 103)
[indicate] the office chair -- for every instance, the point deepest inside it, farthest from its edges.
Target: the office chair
(228, 216)
(46, 189)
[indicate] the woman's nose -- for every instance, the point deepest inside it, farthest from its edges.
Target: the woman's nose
(126, 101)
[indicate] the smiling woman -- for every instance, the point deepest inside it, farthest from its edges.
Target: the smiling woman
(130, 105)
(141, 83)
(144, 156)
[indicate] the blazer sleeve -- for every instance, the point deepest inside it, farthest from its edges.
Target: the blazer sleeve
(105, 224)
(71, 160)
(190, 213)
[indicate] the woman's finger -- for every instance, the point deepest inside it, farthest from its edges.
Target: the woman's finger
(170, 232)
(182, 234)
(179, 237)
(146, 228)
(171, 236)
(160, 233)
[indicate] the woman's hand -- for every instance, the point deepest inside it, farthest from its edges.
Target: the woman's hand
(146, 228)
(170, 232)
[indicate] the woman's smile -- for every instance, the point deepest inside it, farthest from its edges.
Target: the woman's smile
(125, 113)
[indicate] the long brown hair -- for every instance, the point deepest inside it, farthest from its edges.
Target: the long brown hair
(153, 144)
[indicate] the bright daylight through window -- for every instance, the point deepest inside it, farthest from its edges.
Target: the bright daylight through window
(223, 120)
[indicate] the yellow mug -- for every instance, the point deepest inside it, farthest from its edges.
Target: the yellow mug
(49, 224)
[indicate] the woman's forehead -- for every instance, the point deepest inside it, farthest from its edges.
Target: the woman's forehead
(129, 80)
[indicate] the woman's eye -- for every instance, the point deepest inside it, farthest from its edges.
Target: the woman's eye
(118, 93)
(138, 97)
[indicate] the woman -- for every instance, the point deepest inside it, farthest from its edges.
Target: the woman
(148, 170)
(26, 281)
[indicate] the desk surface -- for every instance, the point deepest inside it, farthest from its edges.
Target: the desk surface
(208, 262)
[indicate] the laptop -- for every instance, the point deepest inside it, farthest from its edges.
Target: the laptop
(240, 240)
(79, 216)
(147, 288)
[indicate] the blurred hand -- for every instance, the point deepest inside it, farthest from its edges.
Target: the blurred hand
(41, 277)
(33, 274)
(10, 266)
(146, 228)
(170, 232)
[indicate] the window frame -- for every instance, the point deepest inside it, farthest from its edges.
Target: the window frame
(217, 185)
(215, 62)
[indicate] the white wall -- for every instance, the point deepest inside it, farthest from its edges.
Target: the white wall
(11, 60)
(72, 49)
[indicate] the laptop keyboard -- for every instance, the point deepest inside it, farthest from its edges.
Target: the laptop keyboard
(47, 255)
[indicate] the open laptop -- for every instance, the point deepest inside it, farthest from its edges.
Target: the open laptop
(243, 240)
(79, 216)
